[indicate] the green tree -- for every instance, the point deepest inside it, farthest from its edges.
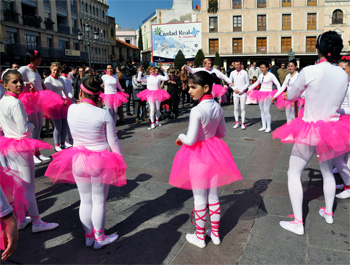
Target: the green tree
(217, 60)
(140, 44)
(179, 60)
(198, 60)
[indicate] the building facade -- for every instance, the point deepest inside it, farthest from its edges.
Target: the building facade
(127, 52)
(127, 35)
(260, 29)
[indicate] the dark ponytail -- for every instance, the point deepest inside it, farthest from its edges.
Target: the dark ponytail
(93, 84)
(31, 56)
(330, 45)
(203, 78)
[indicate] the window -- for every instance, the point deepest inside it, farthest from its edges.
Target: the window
(213, 46)
(261, 3)
(213, 24)
(236, 4)
(286, 44)
(286, 24)
(310, 44)
(311, 21)
(261, 22)
(63, 44)
(112, 32)
(32, 41)
(76, 45)
(128, 41)
(237, 23)
(261, 46)
(237, 46)
(286, 3)
(311, 2)
(11, 37)
(49, 41)
(337, 17)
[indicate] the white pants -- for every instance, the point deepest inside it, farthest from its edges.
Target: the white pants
(154, 109)
(236, 100)
(265, 106)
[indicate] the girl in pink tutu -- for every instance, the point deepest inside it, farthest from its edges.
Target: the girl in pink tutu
(89, 163)
(153, 94)
(18, 147)
(321, 130)
(112, 98)
(287, 85)
(264, 95)
(58, 114)
(204, 161)
(33, 84)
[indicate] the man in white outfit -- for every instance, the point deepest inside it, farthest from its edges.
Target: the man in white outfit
(254, 71)
(240, 79)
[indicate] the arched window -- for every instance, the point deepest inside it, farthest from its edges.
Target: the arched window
(337, 17)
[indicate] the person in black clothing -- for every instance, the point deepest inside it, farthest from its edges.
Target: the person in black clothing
(78, 81)
(174, 84)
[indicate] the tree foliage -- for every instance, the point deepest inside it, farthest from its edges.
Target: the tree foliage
(198, 60)
(179, 60)
(140, 42)
(217, 60)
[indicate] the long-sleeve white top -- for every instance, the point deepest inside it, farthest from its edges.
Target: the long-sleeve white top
(29, 75)
(93, 128)
(111, 84)
(2, 91)
(58, 86)
(206, 121)
(210, 71)
(5, 207)
(266, 82)
(254, 71)
(345, 106)
(240, 79)
(68, 84)
(288, 83)
(325, 86)
(153, 82)
(14, 119)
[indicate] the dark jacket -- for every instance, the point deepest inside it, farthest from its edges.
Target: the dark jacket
(173, 89)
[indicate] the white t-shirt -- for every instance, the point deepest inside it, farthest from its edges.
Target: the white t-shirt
(29, 75)
(266, 82)
(153, 82)
(111, 84)
(58, 86)
(241, 81)
(288, 83)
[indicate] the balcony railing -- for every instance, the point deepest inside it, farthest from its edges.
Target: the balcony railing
(73, 9)
(31, 21)
(48, 26)
(286, 27)
(337, 21)
(261, 28)
(311, 27)
(10, 16)
(262, 5)
(75, 31)
(265, 49)
(63, 29)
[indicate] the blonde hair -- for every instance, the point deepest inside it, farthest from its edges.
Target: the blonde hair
(206, 60)
(53, 64)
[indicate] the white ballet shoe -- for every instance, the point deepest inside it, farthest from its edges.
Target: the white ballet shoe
(328, 217)
(37, 160)
(89, 239)
(268, 130)
(158, 123)
(335, 171)
(216, 240)
(36, 228)
(262, 129)
(194, 240)
(343, 195)
(25, 223)
(44, 158)
(243, 127)
(67, 145)
(105, 241)
(296, 228)
(152, 127)
(57, 148)
(340, 186)
(236, 126)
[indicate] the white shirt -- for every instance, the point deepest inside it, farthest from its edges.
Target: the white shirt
(241, 81)
(14, 119)
(206, 121)
(210, 71)
(29, 75)
(68, 84)
(153, 82)
(288, 83)
(254, 71)
(266, 82)
(345, 106)
(111, 84)
(325, 86)
(93, 128)
(58, 86)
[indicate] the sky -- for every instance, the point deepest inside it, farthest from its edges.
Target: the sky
(131, 13)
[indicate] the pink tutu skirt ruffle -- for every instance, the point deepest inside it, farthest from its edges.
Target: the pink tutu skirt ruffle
(30, 101)
(261, 95)
(14, 189)
(53, 106)
(281, 103)
(206, 164)
(21, 145)
(114, 100)
(218, 90)
(78, 164)
(301, 102)
(331, 138)
(153, 95)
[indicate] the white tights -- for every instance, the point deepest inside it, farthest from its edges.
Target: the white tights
(301, 155)
(264, 106)
(60, 131)
(290, 114)
(37, 119)
(340, 163)
(236, 101)
(155, 109)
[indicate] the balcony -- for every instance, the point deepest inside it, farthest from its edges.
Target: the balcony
(49, 24)
(262, 28)
(337, 20)
(75, 31)
(63, 29)
(73, 9)
(11, 16)
(31, 21)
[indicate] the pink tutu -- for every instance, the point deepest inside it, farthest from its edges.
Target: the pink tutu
(153, 95)
(218, 90)
(204, 165)
(301, 102)
(261, 95)
(21, 145)
(14, 189)
(114, 100)
(89, 166)
(30, 101)
(282, 103)
(331, 138)
(53, 106)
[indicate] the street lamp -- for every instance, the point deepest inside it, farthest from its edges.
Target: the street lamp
(86, 38)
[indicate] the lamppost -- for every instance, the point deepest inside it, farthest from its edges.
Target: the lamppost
(86, 38)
